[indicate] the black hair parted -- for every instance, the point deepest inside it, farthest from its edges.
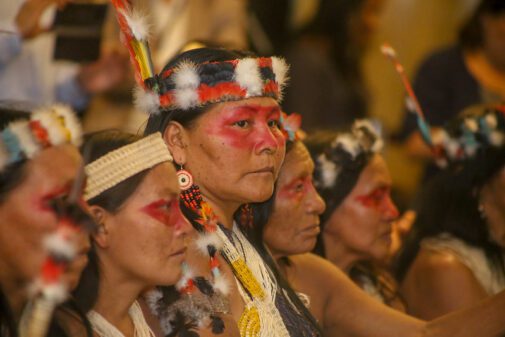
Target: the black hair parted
(159, 122)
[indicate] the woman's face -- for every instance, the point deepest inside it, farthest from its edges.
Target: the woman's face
(492, 199)
(235, 150)
(365, 22)
(361, 225)
(144, 239)
(294, 224)
(26, 216)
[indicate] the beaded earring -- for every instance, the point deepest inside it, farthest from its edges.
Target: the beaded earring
(185, 179)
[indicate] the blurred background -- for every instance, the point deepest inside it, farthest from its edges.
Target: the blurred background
(333, 45)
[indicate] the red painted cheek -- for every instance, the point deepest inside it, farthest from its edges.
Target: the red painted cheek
(373, 199)
(166, 212)
(295, 191)
(389, 209)
(44, 203)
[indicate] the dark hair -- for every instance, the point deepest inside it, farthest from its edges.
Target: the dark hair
(159, 122)
(95, 146)
(470, 34)
(449, 203)
(349, 172)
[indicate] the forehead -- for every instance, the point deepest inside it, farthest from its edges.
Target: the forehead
(160, 180)
(58, 162)
(297, 163)
(374, 175)
(256, 103)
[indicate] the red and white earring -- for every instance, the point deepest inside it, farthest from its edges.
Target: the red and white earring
(185, 179)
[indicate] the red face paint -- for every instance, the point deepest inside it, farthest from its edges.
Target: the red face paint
(166, 212)
(296, 190)
(380, 200)
(44, 203)
(249, 126)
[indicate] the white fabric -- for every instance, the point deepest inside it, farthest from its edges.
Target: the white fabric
(472, 257)
(104, 329)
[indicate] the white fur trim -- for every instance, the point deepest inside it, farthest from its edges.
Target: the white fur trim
(25, 137)
(71, 122)
(56, 293)
(152, 297)
(207, 239)
(329, 171)
(146, 101)
(349, 143)
(56, 244)
(49, 122)
(374, 128)
(247, 75)
(138, 23)
(186, 82)
(280, 69)
(222, 285)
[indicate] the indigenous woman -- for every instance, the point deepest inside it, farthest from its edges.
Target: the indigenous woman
(341, 307)
(41, 247)
(132, 193)
(455, 254)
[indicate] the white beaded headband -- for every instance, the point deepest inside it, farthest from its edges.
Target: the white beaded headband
(24, 138)
(123, 163)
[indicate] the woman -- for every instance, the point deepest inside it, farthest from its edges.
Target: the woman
(340, 307)
(132, 193)
(38, 165)
(455, 254)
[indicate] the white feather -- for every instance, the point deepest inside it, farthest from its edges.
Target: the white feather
(222, 285)
(56, 244)
(152, 297)
(452, 148)
(146, 101)
(138, 23)
(207, 239)
(56, 292)
(186, 98)
(471, 149)
(280, 69)
(186, 76)
(439, 137)
(374, 128)
(349, 144)
(329, 171)
(71, 122)
(388, 50)
(50, 122)
(247, 75)
(25, 138)
(186, 275)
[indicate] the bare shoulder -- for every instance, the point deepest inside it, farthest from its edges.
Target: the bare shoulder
(315, 269)
(438, 283)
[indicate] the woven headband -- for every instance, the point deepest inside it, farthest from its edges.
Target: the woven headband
(46, 127)
(123, 163)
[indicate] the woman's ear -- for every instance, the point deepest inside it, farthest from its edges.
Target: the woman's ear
(101, 217)
(176, 138)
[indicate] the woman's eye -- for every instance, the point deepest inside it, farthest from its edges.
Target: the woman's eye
(241, 124)
(274, 123)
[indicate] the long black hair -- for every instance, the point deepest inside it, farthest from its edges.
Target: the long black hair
(450, 201)
(95, 146)
(260, 211)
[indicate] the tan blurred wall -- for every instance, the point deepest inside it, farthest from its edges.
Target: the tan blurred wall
(414, 28)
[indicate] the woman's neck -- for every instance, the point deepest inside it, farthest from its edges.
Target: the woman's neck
(14, 291)
(337, 254)
(115, 297)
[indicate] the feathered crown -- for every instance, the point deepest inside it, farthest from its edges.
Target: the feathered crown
(478, 128)
(189, 85)
(349, 150)
(46, 127)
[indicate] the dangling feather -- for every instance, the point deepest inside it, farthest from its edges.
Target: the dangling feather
(135, 29)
